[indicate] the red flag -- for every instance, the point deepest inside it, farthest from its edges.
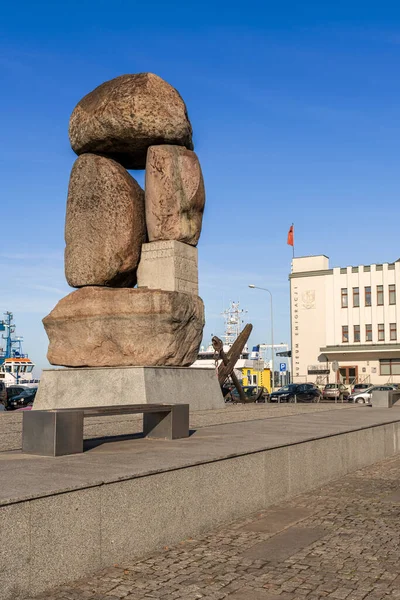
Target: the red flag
(290, 236)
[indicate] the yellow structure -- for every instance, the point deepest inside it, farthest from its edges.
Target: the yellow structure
(260, 378)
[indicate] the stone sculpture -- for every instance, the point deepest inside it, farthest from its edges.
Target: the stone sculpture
(125, 326)
(105, 224)
(117, 235)
(123, 117)
(175, 194)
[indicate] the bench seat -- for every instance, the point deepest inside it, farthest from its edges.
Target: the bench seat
(59, 431)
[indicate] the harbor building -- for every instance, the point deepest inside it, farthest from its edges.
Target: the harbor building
(260, 377)
(345, 322)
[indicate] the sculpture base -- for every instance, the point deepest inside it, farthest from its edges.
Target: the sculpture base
(385, 399)
(115, 327)
(107, 386)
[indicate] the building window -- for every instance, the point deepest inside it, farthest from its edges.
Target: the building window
(392, 294)
(345, 333)
(393, 332)
(356, 333)
(344, 298)
(356, 297)
(379, 295)
(381, 332)
(368, 333)
(390, 366)
(368, 295)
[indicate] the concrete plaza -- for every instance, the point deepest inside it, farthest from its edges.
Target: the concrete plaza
(11, 422)
(64, 519)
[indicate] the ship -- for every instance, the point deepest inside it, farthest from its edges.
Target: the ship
(15, 366)
(233, 325)
(252, 368)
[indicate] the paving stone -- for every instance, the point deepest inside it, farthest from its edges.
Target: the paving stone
(285, 544)
(278, 519)
(251, 594)
(394, 497)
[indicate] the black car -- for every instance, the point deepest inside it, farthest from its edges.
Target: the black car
(302, 392)
(15, 390)
(252, 393)
(23, 399)
(3, 393)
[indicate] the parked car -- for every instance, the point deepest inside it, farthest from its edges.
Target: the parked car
(14, 390)
(360, 387)
(3, 393)
(335, 391)
(21, 400)
(365, 396)
(303, 392)
(251, 392)
(226, 391)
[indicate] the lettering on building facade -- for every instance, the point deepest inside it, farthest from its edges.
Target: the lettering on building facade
(296, 348)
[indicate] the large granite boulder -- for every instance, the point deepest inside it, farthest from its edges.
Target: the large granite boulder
(105, 224)
(123, 117)
(175, 194)
(109, 327)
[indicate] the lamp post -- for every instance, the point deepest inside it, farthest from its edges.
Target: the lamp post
(272, 331)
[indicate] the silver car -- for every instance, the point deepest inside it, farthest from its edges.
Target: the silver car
(335, 391)
(365, 396)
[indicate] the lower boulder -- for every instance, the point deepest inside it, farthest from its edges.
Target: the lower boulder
(114, 327)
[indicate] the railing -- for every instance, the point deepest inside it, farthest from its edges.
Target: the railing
(3, 355)
(354, 380)
(322, 380)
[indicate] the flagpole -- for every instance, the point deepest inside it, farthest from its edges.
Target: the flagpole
(293, 239)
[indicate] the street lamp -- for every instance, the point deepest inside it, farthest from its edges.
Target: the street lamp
(272, 331)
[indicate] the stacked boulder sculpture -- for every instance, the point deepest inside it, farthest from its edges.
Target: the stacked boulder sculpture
(119, 236)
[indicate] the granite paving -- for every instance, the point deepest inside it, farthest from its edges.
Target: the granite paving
(339, 542)
(113, 460)
(11, 422)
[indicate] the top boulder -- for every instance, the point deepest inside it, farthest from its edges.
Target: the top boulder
(124, 116)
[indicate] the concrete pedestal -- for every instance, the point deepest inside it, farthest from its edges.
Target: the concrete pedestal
(107, 386)
(170, 266)
(385, 399)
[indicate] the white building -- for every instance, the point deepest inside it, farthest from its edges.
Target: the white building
(350, 315)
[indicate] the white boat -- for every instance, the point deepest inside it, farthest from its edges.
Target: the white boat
(15, 366)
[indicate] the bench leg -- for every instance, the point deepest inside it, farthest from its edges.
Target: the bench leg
(52, 433)
(167, 426)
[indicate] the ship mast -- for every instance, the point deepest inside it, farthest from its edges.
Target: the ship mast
(13, 345)
(233, 322)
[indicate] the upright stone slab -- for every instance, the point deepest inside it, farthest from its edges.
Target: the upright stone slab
(105, 224)
(175, 194)
(112, 327)
(169, 266)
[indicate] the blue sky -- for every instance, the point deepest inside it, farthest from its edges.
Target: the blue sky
(295, 114)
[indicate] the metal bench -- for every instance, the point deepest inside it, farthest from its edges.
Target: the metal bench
(59, 431)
